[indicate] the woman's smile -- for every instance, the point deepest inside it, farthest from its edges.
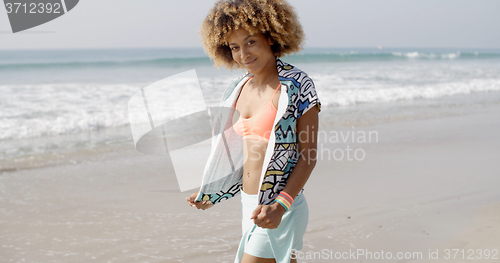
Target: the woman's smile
(248, 64)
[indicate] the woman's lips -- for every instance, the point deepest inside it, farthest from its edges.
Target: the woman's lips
(249, 63)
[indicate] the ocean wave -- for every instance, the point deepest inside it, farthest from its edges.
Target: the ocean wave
(307, 57)
(54, 109)
(454, 55)
(39, 110)
(353, 96)
(169, 62)
(355, 56)
(46, 110)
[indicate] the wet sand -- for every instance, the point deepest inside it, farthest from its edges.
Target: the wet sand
(423, 185)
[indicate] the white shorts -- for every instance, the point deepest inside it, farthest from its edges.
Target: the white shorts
(295, 219)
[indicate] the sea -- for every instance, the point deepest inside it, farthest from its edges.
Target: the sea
(59, 106)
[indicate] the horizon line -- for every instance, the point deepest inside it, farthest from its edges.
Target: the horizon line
(201, 48)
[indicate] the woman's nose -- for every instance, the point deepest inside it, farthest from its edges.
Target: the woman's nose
(244, 53)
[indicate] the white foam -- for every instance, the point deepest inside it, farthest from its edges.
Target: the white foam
(412, 55)
(420, 55)
(54, 109)
(29, 111)
(451, 55)
(352, 96)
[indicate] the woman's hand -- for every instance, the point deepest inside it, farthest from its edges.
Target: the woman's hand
(200, 205)
(268, 216)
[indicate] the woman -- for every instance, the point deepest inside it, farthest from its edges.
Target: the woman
(271, 148)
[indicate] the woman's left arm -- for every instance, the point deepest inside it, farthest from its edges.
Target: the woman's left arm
(307, 140)
(269, 216)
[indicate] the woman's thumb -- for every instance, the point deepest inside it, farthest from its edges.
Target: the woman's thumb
(256, 212)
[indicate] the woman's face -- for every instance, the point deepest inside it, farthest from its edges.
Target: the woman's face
(252, 52)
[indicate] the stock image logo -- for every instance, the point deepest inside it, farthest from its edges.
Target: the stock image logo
(170, 117)
(24, 14)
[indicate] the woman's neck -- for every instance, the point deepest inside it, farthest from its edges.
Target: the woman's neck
(267, 76)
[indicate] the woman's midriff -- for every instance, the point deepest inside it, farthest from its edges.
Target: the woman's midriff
(253, 152)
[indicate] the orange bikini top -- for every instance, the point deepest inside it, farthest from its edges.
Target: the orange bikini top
(259, 126)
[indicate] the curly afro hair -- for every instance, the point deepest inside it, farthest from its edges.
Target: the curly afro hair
(276, 19)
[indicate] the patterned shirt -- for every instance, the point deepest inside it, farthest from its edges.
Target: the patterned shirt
(223, 174)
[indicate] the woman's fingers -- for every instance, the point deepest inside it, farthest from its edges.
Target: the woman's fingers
(191, 199)
(204, 205)
(269, 217)
(256, 212)
(267, 224)
(200, 205)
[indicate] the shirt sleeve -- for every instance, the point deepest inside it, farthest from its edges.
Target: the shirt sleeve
(308, 97)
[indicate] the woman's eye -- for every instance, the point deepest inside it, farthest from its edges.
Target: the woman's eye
(251, 42)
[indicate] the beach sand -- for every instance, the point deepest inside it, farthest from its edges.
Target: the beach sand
(423, 185)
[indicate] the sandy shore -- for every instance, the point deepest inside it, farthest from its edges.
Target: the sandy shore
(417, 189)
(423, 185)
(479, 241)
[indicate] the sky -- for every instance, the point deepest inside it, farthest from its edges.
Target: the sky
(327, 23)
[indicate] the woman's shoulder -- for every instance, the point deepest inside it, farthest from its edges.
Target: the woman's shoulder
(305, 88)
(234, 83)
(291, 72)
(237, 80)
